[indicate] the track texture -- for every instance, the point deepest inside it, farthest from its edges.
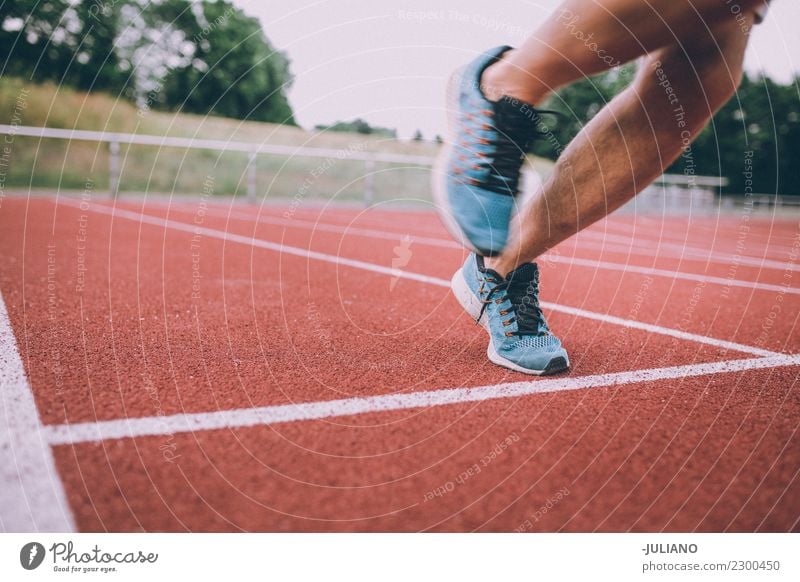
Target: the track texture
(123, 318)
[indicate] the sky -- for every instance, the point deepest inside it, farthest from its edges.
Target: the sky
(388, 62)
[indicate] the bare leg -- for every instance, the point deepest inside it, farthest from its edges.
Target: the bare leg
(584, 37)
(630, 142)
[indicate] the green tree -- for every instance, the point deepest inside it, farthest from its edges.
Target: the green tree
(96, 66)
(576, 104)
(26, 27)
(200, 57)
(62, 41)
(763, 118)
(358, 126)
(229, 67)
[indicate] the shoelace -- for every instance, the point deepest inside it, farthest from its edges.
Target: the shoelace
(524, 298)
(510, 145)
(504, 167)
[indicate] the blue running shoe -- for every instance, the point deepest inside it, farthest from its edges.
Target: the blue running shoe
(508, 308)
(477, 174)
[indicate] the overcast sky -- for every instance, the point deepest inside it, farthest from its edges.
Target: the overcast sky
(387, 62)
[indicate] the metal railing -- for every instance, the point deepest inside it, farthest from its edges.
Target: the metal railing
(116, 140)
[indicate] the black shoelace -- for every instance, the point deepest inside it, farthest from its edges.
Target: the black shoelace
(516, 130)
(523, 294)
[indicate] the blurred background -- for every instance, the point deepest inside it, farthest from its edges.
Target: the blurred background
(327, 100)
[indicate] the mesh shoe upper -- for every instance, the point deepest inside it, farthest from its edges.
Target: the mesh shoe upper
(510, 305)
(488, 144)
(492, 142)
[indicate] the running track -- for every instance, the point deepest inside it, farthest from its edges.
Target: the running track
(213, 367)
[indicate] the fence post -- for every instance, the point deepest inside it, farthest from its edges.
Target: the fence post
(251, 175)
(113, 168)
(369, 182)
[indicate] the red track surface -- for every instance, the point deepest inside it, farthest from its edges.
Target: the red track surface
(146, 338)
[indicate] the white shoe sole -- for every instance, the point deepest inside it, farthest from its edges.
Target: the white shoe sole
(440, 167)
(472, 305)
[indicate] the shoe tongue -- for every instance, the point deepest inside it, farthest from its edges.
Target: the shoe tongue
(519, 113)
(522, 289)
(524, 273)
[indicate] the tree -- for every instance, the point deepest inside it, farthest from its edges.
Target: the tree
(26, 27)
(229, 67)
(96, 65)
(763, 118)
(576, 105)
(61, 41)
(358, 125)
(201, 57)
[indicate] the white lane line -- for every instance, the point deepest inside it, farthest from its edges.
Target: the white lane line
(258, 243)
(636, 237)
(626, 246)
(651, 271)
(750, 248)
(676, 333)
(650, 224)
(32, 497)
(68, 434)
(686, 252)
(675, 275)
(623, 267)
(325, 227)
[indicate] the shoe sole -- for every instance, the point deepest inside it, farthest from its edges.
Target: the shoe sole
(472, 306)
(439, 175)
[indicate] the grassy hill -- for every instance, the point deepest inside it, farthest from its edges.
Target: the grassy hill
(70, 165)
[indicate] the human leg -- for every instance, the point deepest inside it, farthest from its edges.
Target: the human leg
(476, 179)
(630, 142)
(582, 38)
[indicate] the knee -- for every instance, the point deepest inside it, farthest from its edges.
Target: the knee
(720, 72)
(721, 81)
(710, 70)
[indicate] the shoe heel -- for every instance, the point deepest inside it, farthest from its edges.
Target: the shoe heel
(465, 296)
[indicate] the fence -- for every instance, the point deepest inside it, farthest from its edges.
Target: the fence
(114, 142)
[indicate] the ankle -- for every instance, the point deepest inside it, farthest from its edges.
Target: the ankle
(503, 79)
(499, 265)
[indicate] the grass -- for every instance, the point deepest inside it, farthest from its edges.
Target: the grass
(69, 165)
